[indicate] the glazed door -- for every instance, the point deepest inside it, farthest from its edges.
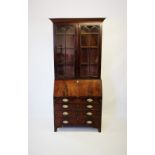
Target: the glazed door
(89, 37)
(65, 47)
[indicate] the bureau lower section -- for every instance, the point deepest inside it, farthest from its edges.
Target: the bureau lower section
(84, 112)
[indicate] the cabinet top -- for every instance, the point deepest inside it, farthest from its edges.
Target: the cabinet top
(76, 20)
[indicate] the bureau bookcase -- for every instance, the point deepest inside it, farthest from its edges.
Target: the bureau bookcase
(77, 67)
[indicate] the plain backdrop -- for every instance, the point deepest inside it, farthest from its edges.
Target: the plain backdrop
(42, 139)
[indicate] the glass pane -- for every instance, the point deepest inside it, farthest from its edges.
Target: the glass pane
(93, 70)
(60, 56)
(60, 71)
(69, 71)
(60, 41)
(70, 56)
(90, 28)
(84, 71)
(70, 29)
(65, 29)
(84, 40)
(89, 40)
(93, 40)
(60, 29)
(70, 41)
(84, 56)
(93, 56)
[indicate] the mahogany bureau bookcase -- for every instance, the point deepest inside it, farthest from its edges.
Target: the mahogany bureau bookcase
(77, 64)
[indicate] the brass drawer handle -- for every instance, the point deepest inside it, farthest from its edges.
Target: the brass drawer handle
(65, 113)
(65, 100)
(89, 113)
(65, 122)
(89, 122)
(65, 106)
(89, 106)
(90, 100)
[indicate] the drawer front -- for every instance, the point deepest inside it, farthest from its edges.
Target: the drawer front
(80, 121)
(77, 114)
(77, 100)
(77, 107)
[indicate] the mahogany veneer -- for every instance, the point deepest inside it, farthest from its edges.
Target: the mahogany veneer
(77, 66)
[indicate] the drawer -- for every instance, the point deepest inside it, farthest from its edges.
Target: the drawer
(78, 100)
(76, 107)
(77, 114)
(78, 121)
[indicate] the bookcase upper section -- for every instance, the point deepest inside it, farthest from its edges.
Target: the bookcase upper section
(77, 47)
